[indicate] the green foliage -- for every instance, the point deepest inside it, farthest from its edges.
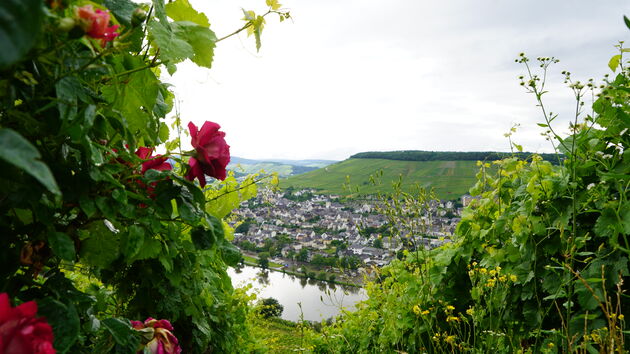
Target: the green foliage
(16, 150)
(20, 25)
(539, 262)
(91, 233)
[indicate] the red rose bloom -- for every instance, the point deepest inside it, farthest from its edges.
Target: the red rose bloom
(96, 23)
(163, 341)
(157, 162)
(213, 153)
(21, 332)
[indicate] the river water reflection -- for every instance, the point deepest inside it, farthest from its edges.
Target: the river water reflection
(320, 300)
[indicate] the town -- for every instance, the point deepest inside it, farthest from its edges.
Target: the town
(301, 231)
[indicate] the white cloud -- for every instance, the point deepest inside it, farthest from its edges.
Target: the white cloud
(350, 76)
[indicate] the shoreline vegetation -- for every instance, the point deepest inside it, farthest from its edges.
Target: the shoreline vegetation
(281, 269)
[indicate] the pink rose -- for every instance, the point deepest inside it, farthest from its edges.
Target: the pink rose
(212, 152)
(21, 332)
(96, 23)
(163, 340)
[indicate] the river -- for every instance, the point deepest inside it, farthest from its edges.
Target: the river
(320, 300)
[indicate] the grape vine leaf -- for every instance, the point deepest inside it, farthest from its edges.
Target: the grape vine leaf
(202, 41)
(181, 10)
(273, 4)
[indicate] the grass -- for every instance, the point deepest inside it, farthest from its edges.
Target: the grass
(254, 261)
(449, 179)
(278, 336)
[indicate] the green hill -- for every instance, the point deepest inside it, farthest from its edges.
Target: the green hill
(449, 179)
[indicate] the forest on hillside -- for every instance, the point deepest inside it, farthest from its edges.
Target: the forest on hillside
(419, 155)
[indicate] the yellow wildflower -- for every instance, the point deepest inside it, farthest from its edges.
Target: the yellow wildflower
(551, 345)
(416, 310)
(483, 271)
(450, 308)
(621, 317)
(452, 318)
(449, 339)
(425, 312)
(498, 269)
(470, 311)
(513, 277)
(502, 278)
(474, 264)
(471, 273)
(493, 272)
(490, 283)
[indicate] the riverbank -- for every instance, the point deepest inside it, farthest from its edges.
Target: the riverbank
(282, 269)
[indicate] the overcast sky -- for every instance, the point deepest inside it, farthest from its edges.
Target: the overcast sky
(347, 76)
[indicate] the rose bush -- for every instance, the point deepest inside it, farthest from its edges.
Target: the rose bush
(91, 222)
(21, 331)
(212, 152)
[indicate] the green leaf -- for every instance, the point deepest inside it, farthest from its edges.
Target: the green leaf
(122, 333)
(614, 62)
(18, 151)
(627, 21)
(160, 11)
(122, 9)
(258, 26)
(62, 245)
(67, 90)
(202, 41)
(25, 215)
(134, 241)
(163, 134)
(203, 238)
(231, 255)
(20, 25)
(273, 4)
(518, 147)
(172, 47)
(99, 245)
(87, 205)
(120, 196)
(181, 10)
(135, 99)
(64, 321)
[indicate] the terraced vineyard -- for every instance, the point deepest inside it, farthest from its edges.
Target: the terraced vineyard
(449, 179)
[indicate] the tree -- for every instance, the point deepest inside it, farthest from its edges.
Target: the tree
(263, 260)
(244, 227)
(302, 255)
(271, 307)
(377, 243)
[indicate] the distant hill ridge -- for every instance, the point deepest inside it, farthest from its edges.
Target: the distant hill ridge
(450, 174)
(420, 155)
(284, 168)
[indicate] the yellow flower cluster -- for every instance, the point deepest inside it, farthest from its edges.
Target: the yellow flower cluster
(418, 311)
(452, 319)
(494, 275)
